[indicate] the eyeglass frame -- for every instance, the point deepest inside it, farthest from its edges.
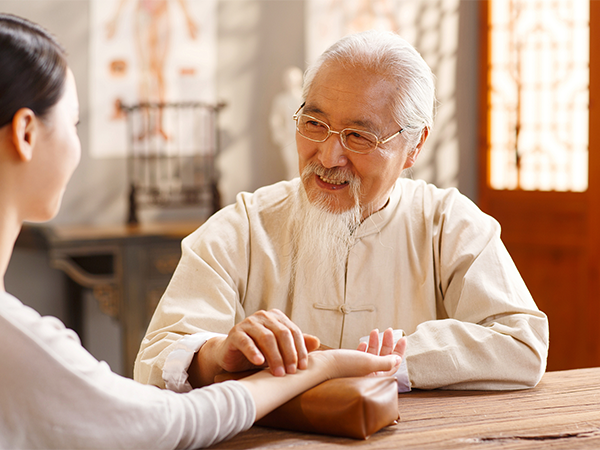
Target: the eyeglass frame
(342, 139)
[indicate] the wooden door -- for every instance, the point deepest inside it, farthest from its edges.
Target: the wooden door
(553, 236)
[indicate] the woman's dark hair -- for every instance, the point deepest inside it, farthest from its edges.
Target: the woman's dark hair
(33, 68)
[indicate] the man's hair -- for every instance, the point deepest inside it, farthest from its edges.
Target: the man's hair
(33, 68)
(394, 58)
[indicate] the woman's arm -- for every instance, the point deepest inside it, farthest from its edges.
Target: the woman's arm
(269, 392)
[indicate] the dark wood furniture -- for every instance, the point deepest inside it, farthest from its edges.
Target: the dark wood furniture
(563, 411)
(127, 268)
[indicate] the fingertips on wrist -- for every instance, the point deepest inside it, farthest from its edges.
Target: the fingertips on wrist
(303, 363)
(278, 371)
(257, 358)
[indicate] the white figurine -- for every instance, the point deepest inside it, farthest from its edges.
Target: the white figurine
(283, 128)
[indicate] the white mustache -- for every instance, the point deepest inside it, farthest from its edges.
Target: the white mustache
(330, 175)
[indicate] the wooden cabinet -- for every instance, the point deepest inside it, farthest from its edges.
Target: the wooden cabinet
(127, 268)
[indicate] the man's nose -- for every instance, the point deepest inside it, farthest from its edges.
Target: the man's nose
(331, 152)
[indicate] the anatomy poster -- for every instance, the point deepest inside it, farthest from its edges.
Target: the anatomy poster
(156, 51)
(329, 20)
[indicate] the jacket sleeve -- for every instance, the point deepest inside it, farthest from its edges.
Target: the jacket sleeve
(204, 293)
(490, 333)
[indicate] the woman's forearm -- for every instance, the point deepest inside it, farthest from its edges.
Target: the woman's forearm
(269, 392)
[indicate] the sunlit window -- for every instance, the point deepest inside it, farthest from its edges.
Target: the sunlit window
(539, 63)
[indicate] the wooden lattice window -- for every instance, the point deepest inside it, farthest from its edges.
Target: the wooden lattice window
(539, 94)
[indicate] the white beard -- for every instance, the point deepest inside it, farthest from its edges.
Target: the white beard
(322, 239)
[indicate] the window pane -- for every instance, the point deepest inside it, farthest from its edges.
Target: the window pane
(539, 65)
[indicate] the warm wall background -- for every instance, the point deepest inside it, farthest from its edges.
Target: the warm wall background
(257, 40)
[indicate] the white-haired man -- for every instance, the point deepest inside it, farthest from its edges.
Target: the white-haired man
(350, 248)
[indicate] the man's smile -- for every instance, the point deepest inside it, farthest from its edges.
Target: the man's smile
(330, 183)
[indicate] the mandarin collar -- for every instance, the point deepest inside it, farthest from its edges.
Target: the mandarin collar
(376, 221)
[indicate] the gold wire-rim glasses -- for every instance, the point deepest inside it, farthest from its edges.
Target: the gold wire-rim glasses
(343, 133)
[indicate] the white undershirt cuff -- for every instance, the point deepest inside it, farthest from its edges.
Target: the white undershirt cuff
(175, 371)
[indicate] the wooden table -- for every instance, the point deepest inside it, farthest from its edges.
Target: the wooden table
(563, 411)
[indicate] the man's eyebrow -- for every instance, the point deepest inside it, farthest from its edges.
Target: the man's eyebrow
(312, 110)
(364, 124)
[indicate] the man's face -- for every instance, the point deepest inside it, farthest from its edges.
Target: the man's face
(359, 99)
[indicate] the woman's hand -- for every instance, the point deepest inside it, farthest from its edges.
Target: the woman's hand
(352, 363)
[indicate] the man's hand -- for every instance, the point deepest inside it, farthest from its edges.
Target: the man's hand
(387, 345)
(266, 338)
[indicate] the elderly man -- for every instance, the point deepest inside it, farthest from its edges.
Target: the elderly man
(349, 248)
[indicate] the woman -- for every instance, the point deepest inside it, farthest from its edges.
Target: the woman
(53, 393)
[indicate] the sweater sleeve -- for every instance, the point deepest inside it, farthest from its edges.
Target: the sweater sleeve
(56, 395)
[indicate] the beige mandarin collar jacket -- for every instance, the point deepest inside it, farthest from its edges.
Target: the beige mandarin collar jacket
(430, 263)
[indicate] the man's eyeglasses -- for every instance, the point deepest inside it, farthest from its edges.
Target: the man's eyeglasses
(357, 141)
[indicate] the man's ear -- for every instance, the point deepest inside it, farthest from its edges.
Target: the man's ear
(414, 153)
(25, 128)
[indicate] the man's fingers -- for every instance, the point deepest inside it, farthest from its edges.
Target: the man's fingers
(268, 337)
(312, 342)
(266, 342)
(238, 352)
(296, 354)
(291, 341)
(288, 347)
(278, 339)
(250, 351)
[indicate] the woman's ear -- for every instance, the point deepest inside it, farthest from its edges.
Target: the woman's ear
(411, 158)
(25, 128)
